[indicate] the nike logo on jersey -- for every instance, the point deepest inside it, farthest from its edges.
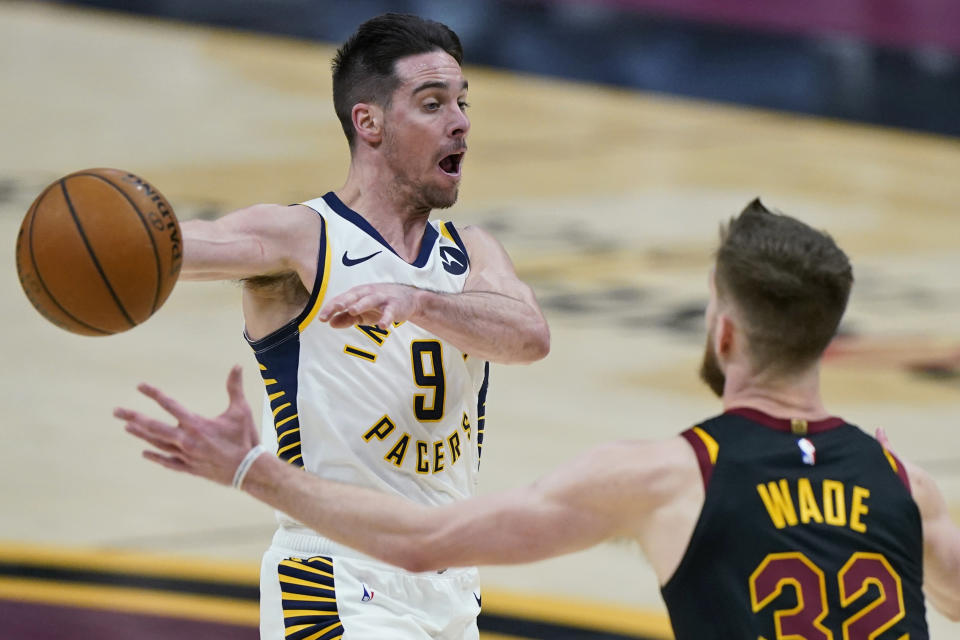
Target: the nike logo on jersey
(349, 262)
(477, 597)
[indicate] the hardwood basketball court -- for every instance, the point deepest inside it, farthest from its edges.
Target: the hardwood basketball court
(609, 203)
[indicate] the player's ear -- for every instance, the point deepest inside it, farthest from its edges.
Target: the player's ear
(368, 122)
(723, 336)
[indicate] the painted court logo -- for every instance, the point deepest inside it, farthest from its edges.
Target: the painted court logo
(367, 594)
(808, 452)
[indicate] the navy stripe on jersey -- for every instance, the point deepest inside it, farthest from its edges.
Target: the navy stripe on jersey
(278, 367)
(293, 327)
(309, 599)
(429, 240)
(279, 357)
(482, 408)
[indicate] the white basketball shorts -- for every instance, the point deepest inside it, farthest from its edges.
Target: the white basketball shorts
(314, 589)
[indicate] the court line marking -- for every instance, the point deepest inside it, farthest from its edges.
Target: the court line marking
(549, 609)
(124, 561)
(125, 599)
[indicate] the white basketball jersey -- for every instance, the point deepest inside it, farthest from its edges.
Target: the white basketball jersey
(395, 408)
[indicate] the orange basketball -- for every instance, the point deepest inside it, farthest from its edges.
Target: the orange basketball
(99, 251)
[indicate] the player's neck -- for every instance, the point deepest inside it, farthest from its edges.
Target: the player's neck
(781, 396)
(393, 216)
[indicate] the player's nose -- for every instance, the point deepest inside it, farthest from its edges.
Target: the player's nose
(459, 124)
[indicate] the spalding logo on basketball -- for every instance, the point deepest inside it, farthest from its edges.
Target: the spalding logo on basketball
(99, 251)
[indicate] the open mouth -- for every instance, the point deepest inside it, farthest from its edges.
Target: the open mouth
(451, 164)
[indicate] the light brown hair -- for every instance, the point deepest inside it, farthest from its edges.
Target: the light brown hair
(789, 282)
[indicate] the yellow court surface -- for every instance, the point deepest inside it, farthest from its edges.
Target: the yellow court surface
(608, 201)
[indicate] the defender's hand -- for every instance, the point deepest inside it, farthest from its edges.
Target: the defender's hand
(211, 448)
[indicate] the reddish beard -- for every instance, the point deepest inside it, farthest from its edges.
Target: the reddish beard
(710, 371)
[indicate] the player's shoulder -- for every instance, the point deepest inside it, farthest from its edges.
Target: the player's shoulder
(476, 237)
(484, 249)
(273, 213)
(658, 466)
(296, 221)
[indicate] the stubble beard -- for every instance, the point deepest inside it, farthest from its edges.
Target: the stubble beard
(424, 197)
(437, 198)
(421, 194)
(710, 371)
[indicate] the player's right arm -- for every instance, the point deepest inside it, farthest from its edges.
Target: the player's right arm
(609, 491)
(941, 541)
(265, 239)
(621, 489)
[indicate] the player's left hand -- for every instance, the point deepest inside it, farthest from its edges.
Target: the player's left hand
(369, 304)
(210, 448)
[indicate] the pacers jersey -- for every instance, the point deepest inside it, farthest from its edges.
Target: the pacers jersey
(393, 408)
(808, 532)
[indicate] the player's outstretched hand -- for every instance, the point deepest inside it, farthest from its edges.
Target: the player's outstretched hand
(211, 448)
(379, 304)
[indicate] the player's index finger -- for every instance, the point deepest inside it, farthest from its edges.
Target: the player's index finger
(168, 404)
(331, 308)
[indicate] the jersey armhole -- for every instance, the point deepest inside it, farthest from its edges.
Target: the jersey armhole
(706, 450)
(898, 468)
(314, 300)
(319, 289)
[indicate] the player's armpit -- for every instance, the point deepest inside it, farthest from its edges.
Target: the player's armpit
(265, 239)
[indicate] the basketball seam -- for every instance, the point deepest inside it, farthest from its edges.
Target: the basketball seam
(36, 269)
(153, 242)
(93, 256)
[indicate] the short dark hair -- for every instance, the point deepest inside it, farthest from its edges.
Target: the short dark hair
(364, 68)
(790, 282)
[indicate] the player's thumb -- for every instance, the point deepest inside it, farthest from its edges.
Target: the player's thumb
(235, 386)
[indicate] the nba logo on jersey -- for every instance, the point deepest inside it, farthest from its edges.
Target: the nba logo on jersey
(367, 595)
(808, 452)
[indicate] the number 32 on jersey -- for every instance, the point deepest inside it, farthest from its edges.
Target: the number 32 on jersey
(805, 620)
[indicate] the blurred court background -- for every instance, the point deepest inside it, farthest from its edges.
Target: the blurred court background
(609, 140)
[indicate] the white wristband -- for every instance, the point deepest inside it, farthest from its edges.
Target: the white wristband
(245, 465)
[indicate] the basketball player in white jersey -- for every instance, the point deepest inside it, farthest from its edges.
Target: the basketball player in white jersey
(372, 326)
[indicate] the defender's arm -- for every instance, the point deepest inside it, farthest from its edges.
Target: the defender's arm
(607, 491)
(603, 493)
